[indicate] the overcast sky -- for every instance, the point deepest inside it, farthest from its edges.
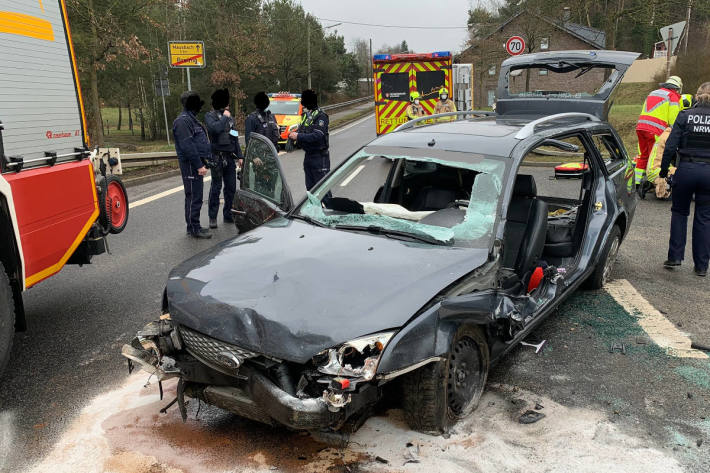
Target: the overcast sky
(397, 13)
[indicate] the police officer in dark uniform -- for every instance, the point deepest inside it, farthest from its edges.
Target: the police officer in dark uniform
(193, 150)
(225, 151)
(312, 136)
(690, 139)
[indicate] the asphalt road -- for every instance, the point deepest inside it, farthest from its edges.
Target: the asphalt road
(78, 320)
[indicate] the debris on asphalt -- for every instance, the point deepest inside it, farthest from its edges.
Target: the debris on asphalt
(690, 395)
(538, 346)
(617, 347)
(538, 406)
(412, 453)
(699, 442)
(379, 459)
(530, 417)
(643, 340)
(700, 346)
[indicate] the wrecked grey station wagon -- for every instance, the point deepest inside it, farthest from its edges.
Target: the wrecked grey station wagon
(412, 267)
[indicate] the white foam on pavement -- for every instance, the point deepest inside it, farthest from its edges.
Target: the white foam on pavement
(121, 432)
(659, 328)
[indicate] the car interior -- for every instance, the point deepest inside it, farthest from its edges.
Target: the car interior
(547, 213)
(427, 192)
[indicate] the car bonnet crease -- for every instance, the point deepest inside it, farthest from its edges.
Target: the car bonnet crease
(290, 290)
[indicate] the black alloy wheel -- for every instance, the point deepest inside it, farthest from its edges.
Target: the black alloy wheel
(466, 378)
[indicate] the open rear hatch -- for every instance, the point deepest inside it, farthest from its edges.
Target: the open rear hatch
(536, 85)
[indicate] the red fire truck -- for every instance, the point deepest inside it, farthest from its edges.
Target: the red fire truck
(396, 76)
(58, 200)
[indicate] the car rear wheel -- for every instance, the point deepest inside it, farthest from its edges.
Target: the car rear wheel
(7, 318)
(602, 271)
(438, 395)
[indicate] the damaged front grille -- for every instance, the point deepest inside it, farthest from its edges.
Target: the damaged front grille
(224, 357)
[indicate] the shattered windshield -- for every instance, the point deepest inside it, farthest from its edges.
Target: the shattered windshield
(432, 196)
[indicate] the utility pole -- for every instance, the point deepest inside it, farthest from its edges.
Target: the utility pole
(189, 85)
(687, 27)
(369, 79)
(669, 52)
(308, 45)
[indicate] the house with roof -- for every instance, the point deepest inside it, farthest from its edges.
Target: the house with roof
(541, 34)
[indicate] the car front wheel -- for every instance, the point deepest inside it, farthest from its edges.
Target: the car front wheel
(438, 395)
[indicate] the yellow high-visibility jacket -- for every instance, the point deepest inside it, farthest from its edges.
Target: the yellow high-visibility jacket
(659, 111)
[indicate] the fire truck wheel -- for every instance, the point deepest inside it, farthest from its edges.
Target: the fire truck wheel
(114, 211)
(7, 318)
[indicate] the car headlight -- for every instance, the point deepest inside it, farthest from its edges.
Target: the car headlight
(355, 359)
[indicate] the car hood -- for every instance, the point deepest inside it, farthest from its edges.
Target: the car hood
(289, 289)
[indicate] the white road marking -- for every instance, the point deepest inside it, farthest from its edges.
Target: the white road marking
(160, 195)
(352, 175)
(659, 329)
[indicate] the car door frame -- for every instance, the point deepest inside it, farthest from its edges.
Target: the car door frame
(262, 208)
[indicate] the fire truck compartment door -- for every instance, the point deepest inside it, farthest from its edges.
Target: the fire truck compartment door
(55, 208)
(39, 104)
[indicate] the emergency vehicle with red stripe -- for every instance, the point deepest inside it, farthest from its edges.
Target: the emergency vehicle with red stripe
(58, 200)
(396, 76)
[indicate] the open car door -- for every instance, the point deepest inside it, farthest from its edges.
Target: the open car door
(263, 193)
(541, 84)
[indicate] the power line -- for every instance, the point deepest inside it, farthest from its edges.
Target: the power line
(398, 26)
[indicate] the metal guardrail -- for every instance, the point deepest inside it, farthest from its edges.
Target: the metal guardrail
(142, 159)
(348, 103)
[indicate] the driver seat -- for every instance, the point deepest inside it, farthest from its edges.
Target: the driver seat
(526, 228)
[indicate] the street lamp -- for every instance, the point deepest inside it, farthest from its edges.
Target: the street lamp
(308, 40)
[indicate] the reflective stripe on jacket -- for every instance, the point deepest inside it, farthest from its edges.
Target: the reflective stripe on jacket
(659, 111)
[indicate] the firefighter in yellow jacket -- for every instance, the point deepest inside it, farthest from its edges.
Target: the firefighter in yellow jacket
(414, 109)
(445, 104)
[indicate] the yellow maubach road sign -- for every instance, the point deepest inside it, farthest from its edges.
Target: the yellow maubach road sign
(187, 53)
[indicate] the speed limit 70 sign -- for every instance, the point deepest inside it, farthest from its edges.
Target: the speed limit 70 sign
(515, 45)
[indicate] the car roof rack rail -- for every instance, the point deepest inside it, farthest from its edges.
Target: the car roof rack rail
(411, 123)
(529, 129)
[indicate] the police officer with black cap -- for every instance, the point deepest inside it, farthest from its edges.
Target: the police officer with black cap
(312, 136)
(225, 150)
(690, 139)
(193, 150)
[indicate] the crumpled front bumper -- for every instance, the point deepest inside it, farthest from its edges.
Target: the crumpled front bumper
(254, 396)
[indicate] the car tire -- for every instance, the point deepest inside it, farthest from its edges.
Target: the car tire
(7, 318)
(433, 400)
(602, 270)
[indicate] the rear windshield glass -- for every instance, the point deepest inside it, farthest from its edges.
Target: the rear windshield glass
(447, 198)
(284, 107)
(395, 86)
(560, 80)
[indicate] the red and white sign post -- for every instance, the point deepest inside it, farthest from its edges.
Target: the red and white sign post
(515, 45)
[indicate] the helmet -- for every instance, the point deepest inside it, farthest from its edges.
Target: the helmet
(413, 96)
(674, 81)
(443, 91)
